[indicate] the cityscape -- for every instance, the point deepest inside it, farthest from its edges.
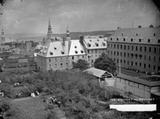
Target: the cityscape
(79, 59)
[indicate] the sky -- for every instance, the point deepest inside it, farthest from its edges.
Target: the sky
(31, 16)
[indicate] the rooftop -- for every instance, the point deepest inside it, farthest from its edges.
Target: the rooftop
(148, 80)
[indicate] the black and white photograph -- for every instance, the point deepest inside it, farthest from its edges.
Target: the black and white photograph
(79, 59)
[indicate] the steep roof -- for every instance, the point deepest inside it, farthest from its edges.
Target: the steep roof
(76, 48)
(62, 48)
(95, 42)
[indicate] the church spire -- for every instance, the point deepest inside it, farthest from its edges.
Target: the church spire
(49, 33)
(67, 32)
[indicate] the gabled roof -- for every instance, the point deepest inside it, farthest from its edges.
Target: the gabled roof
(96, 72)
(95, 42)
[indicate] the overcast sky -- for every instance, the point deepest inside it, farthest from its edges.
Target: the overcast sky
(31, 16)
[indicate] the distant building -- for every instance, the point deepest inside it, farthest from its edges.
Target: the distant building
(18, 63)
(136, 48)
(58, 53)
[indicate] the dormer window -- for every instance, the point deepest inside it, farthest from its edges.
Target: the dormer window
(81, 51)
(51, 53)
(90, 40)
(55, 48)
(75, 46)
(154, 34)
(89, 45)
(96, 44)
(76, 52)
(103, 44)
(62, 52)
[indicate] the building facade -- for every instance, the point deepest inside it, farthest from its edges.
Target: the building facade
(58, 53)
(136, 48)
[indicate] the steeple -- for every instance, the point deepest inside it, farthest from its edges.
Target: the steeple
(67, 32)
(49, 33)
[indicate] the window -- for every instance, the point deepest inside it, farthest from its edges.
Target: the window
(117, 39)
(149, 49)
(140, 64)
(110, 38)
(124, 54)
(51, 53)
(122, 34)
(75, 46)
(121, 46)
(136, 34)
(154, 34)
(124, 39)
(136, 63)
(49, 60)
(144, 65)
(117, 53)
(140, 49)
(149, 40)
(145, 49)
(124, 47)
(81, 51)
(136, 48)
(149, 58)
(158, 40)
(139, 40)
(131, 39)
(76, 52)
(62, 52)
(128, 47)
(154, 50)
(132, 48)
(117, 46)
(149, 65)
(72, 57)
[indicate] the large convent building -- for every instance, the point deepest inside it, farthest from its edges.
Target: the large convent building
(136, 48)
(58, 53)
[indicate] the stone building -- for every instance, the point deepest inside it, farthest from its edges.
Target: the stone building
(58, 53)
(136, 48)
(94, 47)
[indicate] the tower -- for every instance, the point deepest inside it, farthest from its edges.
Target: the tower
(67, 32)
(49, 33)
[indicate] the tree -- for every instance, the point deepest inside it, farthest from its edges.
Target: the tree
(81, 64)
(105, 63)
